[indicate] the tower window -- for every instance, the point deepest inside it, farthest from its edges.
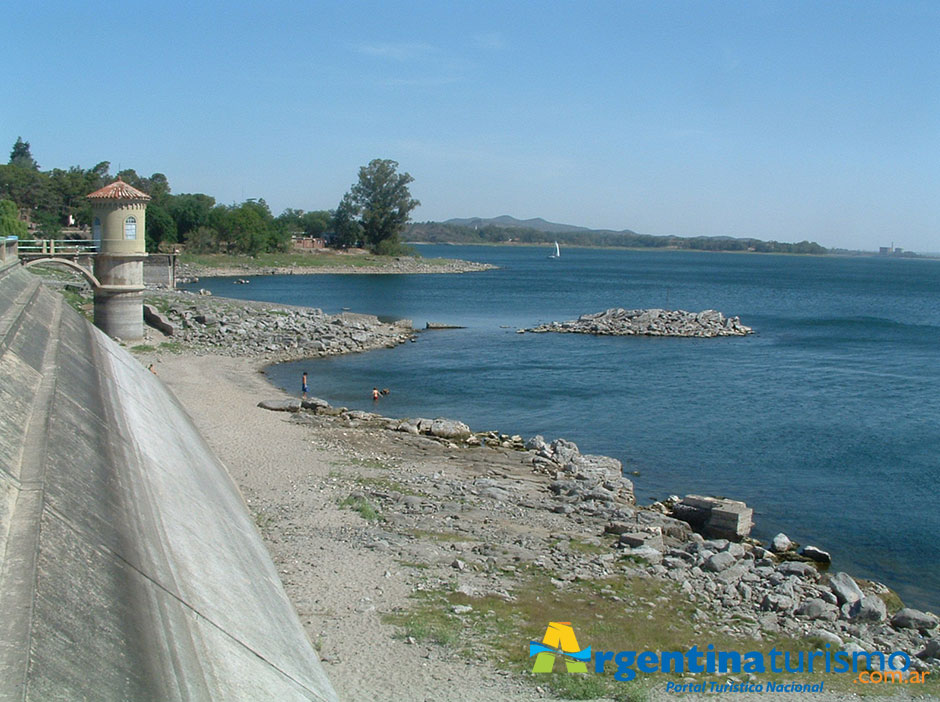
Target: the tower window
(96, 230)
(130, 228)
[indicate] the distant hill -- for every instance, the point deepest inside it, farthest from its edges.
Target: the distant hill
(509, 222)
(491, 230)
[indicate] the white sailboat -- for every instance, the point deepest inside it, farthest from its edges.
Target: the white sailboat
(557, 253)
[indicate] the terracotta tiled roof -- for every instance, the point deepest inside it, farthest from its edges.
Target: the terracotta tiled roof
(118, 190)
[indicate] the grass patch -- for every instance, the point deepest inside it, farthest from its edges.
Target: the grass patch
(446, 536)
(78, 302)
(647, 615)
(362, 506)
(428, 623)
(160, 303)
(143, 348)
(416, 565)
(172, 346)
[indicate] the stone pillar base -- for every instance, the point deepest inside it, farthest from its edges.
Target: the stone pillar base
(120, 314)
(119, 301)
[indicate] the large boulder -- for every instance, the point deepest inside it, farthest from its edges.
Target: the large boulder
(798, 568)
(816, 554)
(781, 543)
(845, 588)
(536, 443)
(563, 451)
(931, 650)
(777, 602)
(869, 609)
(635, 539)
(909, 618)
(718, 562)
(449, 429)
(314, 403)
(815, 608)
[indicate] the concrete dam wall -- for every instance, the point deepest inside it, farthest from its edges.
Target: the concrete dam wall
(130, 568)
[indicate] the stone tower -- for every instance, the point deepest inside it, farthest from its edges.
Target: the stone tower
(119, 222)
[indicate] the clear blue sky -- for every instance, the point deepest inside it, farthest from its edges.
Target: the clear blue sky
(781, 120)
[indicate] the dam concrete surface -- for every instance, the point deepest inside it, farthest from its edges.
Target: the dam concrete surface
(130, 568)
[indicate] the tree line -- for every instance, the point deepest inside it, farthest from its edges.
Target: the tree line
(373, 212)
(441, 232)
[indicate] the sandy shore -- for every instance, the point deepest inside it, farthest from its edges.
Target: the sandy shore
(345, 574)
(339, 587)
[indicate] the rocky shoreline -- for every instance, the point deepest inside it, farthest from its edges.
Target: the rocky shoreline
(651, 322)
(738, 586)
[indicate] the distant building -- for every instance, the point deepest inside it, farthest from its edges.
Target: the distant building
(308, 242)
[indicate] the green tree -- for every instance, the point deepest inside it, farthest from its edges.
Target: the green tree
(160, 227)
(202, 240)
(27, 188)
(50, 226)
(156, 186)
(10, 224)
(316, 223)
(347, 231)
(247, 228)
(384, 203)
(190, 211)
(69, 189)
(21, 157)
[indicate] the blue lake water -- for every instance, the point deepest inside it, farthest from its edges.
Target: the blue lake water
(826, 422)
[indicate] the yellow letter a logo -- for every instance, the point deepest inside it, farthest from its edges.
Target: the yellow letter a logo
(559, 636)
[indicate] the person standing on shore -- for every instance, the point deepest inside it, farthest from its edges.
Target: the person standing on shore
(303, 385)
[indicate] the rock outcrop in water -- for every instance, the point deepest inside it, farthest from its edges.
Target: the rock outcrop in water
(653, 322)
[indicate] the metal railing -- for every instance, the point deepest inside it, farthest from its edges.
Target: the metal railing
(53, 247)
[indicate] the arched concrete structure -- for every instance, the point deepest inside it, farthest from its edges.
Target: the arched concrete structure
(130, 568)
(92, 280)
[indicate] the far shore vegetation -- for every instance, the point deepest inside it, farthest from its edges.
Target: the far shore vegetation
(374, 214)
(489, 233)
(324, 258)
